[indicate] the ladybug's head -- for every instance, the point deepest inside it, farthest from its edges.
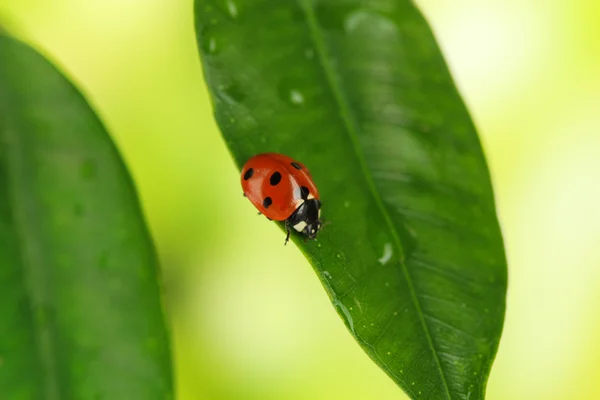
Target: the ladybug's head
(306, 218)
(312, 229)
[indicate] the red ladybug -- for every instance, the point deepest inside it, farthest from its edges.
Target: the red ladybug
(283, 190)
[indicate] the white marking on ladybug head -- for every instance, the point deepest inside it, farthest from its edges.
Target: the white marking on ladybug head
(300, 226)
(310, 196)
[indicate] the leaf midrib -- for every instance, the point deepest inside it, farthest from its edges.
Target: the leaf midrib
(351, 130)
(20, 207)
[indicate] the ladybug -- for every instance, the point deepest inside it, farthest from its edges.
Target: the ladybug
(283, 190)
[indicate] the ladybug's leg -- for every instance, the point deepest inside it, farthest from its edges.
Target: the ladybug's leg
(288, 230)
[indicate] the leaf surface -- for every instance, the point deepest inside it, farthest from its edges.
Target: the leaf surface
(413, 259)
(80, 313)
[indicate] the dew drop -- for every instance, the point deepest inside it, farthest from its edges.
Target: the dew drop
(211, 46)
(346, 314)
(389, 353)
(296, 97)
(387, 284)
(327, 274)
(232, 93)
(387, 254)
(232, 9)
(370, 21)
(289, 92)
(347, 204)
(228, 7)
(309, 53)
(209, 43)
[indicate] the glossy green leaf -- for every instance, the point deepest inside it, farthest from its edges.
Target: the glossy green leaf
(80, 311)
(413, 259)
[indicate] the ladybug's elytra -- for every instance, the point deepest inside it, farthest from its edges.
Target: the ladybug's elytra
(283, 190)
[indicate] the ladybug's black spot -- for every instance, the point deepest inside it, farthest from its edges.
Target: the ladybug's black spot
(275, 178)
(304, 192)
(248, 174)
(267, 202)
(296, 165)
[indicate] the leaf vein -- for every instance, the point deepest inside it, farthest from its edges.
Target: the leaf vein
(352, 129)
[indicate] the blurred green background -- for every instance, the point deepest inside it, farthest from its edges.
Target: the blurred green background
(250, 319)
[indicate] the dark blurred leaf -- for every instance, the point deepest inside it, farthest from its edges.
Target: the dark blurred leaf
(359, 92)
(80, 313)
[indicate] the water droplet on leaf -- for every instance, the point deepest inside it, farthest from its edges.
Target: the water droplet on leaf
(387, 254)
(370, 21)
(229, 8)
(209, 42)
(232, 9)
(232, 93)
(346, 314)
(290, 93)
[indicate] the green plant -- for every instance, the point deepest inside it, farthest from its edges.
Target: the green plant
(413, 259)
(80, 316)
